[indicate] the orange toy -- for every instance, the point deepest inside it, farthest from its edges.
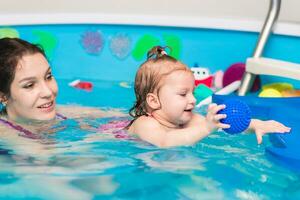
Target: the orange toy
(291, 93)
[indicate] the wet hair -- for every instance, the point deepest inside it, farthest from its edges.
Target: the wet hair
(149, 77)
(12, 51)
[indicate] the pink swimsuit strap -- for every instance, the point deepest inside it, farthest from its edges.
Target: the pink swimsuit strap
(117, 128)
(26, 132)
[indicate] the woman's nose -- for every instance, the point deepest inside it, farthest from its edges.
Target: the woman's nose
(45, 90)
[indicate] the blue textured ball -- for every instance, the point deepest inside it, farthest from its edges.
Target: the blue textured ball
(238, 116)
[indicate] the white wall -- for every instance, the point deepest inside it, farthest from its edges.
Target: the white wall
(224, 14)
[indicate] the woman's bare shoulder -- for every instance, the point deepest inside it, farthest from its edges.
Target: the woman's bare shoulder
(21, 145)
(4, 129)
(75, 111)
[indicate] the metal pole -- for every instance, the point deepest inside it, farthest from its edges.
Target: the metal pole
(274, 9)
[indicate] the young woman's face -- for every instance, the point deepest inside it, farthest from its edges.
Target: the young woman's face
(176, 97)
(33, 90)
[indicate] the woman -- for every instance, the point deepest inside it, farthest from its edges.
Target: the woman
(28, 92)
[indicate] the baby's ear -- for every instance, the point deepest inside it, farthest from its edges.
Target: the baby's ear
(153, 101)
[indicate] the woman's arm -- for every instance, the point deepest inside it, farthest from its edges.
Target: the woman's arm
(75, 111)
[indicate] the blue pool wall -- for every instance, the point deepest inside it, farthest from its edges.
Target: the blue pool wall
(213, 49)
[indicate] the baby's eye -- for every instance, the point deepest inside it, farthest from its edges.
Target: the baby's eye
(182, 94)
(49, 76)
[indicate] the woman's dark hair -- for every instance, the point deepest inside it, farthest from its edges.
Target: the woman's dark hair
(12, 51)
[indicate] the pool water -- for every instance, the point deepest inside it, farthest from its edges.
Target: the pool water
(80, 163)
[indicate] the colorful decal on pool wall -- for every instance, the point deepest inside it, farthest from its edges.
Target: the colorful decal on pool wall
(144, 44)
(174, 43)
(9, 32)
(47, 40)
(120, 45)
(92, 42)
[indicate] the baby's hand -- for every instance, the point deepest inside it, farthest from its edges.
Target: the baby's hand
(213, 119)
(263, 127)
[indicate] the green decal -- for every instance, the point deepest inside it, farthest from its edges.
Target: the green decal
(143, 46)
(174, 43)
(9, 32)
(47, 40)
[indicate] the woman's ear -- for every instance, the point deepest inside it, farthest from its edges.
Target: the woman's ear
(3, 98)
(153, 101)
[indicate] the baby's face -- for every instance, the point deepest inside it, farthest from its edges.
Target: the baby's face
(176, 97)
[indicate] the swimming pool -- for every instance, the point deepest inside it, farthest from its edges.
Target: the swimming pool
(80, 164)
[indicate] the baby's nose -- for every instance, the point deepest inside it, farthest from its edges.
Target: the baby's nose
(193, 99)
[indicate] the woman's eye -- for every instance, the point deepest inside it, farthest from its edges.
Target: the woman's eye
(28, 86)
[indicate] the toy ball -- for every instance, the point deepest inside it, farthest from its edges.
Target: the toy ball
(238, 116)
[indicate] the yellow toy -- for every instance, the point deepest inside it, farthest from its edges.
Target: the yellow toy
(270, 92)
(279, 90)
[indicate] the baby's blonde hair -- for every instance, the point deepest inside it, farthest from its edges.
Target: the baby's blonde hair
(149, 77)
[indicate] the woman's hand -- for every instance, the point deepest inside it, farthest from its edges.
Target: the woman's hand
(213, 119)
(263, 127)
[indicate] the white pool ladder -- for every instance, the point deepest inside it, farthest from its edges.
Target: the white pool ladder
(259, 65)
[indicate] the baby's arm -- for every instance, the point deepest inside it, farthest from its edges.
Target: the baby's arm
(150, 130)
(263, 127)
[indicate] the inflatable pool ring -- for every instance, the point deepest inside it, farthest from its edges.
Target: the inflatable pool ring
(284, 147)
(238, 116)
